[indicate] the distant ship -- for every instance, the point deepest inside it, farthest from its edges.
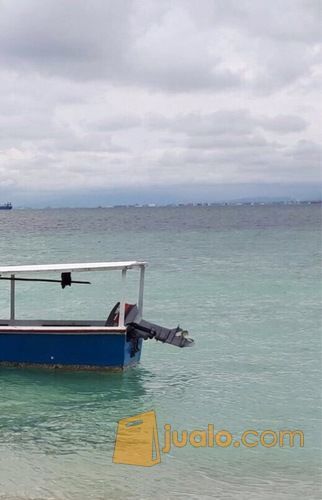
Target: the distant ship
(6, 206)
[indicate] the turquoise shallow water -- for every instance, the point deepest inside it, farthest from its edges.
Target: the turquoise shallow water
(246, 281)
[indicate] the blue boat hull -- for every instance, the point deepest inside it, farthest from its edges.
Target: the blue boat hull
(76, 350)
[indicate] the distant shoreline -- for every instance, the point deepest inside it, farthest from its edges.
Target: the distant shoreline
(183, 205)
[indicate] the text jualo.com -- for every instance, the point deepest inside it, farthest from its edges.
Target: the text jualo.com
(140, 442)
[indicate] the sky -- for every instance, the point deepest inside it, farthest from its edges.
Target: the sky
(139, 101)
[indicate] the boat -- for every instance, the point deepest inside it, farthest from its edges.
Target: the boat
(6, 206)
(114, 342)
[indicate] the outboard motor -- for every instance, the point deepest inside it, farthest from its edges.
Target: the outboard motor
(139, 328)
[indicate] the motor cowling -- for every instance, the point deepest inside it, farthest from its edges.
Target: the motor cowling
(141, 328)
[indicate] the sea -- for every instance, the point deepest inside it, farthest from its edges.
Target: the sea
(245, 281)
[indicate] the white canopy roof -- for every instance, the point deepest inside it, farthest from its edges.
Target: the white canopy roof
(68, 268)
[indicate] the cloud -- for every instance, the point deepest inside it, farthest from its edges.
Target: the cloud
(134, 93)
(228, 122)
(283, 124)
(73, 39)
(175, 46)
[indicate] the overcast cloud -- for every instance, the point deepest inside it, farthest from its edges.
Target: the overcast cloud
(138, 99)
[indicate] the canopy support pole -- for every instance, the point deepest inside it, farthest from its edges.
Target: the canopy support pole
(122, 301)
(141, 291)
(12, 297)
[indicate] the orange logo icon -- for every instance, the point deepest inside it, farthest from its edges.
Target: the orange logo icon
(137, 441)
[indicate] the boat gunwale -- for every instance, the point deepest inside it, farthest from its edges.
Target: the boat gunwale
(61, 330)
